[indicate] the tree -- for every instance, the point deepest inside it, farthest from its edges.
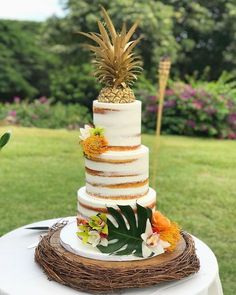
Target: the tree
(205, 33)
(24, 65)
(156, 26)
(198, 35)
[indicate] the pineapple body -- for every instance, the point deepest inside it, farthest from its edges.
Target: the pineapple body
(116, 95)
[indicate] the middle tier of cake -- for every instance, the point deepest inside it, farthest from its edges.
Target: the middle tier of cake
(89, 205)
(118, 175)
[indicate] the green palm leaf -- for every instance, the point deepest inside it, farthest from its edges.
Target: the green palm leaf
(125, 239)
(4, 139)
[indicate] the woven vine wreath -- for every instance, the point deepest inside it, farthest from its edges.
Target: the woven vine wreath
(101, 277)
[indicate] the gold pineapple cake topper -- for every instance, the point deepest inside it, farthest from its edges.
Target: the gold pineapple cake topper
(116, 64)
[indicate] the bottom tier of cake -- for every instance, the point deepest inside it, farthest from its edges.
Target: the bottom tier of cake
(89, 205)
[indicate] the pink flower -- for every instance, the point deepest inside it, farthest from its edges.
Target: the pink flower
(43, 99)
(169, 103)
(152, 108)
(210, 110)
(232, 136)
(188, 93)
(16, 99)
(232, 118)
(197, 104)
(12, 113)
(169, 92)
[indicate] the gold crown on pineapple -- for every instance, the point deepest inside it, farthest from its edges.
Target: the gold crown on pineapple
(116, 64)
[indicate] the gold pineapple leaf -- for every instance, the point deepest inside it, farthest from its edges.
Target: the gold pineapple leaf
(116, 64)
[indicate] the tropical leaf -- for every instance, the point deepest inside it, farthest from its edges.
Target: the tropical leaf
(125, 239)
(4, 139)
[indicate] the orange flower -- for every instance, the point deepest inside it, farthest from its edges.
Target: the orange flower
(169, 231)
(94, 145)
(160, 222)
(171, 235)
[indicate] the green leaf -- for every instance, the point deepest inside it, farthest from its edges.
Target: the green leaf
(4, 139)
(125, 239)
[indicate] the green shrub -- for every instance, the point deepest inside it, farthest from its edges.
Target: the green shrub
(193, 111)
(43, 114)
(74, 84)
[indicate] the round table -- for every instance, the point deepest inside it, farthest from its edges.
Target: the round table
(20, 275)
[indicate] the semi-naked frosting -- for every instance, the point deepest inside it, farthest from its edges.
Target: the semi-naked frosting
(122, 122)
(89, 205)
(119, 176)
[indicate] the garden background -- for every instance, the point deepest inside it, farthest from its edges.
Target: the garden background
(46, 81)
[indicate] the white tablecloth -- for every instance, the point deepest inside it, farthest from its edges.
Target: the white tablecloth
(20, 275)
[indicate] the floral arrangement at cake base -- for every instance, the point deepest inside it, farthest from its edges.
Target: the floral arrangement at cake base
(143, 234)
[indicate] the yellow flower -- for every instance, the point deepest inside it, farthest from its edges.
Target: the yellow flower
(94, 145)
(171, 235)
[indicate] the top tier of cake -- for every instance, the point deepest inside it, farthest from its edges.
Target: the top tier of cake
(121, 122)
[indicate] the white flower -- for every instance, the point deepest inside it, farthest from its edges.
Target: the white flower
(85, 132)
(103, 242)
(95, 239)
(152, 242)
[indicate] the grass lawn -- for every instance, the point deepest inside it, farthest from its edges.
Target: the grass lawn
(40, 171)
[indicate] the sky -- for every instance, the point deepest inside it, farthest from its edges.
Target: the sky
(37, 10)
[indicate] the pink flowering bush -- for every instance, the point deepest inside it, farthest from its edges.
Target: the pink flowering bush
(43, 113)
(192, 111)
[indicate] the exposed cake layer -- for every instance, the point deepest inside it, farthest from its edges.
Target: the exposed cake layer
(121, 121)
(88, 205)
(118, 174)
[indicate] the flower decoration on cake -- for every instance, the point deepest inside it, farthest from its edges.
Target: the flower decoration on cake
(116, 65)
(152, 243)
(85, 132)
(93, 231)
(93, 141)
(167, 230)
(143, 234)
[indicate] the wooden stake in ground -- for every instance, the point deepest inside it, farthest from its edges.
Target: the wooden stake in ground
(164, 70)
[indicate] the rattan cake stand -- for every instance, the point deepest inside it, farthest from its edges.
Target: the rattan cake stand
(101, 277)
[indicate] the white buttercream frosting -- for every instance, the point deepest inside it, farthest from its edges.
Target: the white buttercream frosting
(138, 161)
(103, 180)
(91, 202)
(121, 122)
(126, 173)
(116, 192)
